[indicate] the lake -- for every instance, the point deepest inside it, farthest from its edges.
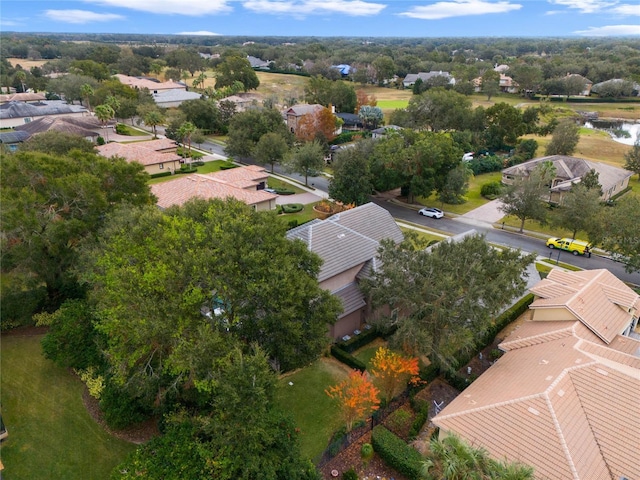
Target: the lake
(617, 130)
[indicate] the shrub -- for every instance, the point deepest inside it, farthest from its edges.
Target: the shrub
(187, 169)
(491, 190)
(421, 407)
(122, 129)
(119, 408)
(100, 140)
(347, 358)
(396, 453)
(284, 191)
(161, 174)
(350, 475)
(495, 354)
(19, 305)
(292, 224)
(292, 207)
(399, 420)
(228, 166)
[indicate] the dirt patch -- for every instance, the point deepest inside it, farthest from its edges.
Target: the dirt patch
(31, 331)
(139, 433)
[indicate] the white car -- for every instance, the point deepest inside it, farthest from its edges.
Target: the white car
(431, 212)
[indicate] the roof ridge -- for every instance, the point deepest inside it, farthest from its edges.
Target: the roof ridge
(568, 329)
(492, 406)
(560, 434)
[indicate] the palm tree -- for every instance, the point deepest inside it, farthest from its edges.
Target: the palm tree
(186, 130)
(86, 91)
(153, 119)
(21, 77)
(104, 114)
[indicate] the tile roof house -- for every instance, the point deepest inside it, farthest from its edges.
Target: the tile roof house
(246, 184)
(16, 113)
(22, 97)
(174, 97)
(351, 121)
(586, 91)
(157, 156)
(506, 84)
(570, 170)
(87, 127)
(411, 78)
(12, 138)
(295, 113)
(565, 396)
(348, 244)
(153, 85)
(256, 62)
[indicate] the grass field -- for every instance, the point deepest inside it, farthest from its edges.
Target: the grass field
(316, 415)
(51, 435)
(25, 63)
(208, 167)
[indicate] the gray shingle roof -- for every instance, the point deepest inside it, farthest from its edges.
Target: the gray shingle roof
(21, 109)
(351, 297)
(348, 239)
(83, 126)
(13, 137)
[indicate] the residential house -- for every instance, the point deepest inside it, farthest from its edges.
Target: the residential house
(506, 84)
(87, 127)
(569, 171)
(411, 78)
(595, 88)
(564, 397)
(157, 156)
(22, 97)
(16, 113)
(383, 131)
(586, 91)
(174, 97)
(350, 121)
(345, 70)
(293, 115)
(12, 139)
(243, 101)
(258, 63)
(348, 244)
(152, 84)
(246, 184)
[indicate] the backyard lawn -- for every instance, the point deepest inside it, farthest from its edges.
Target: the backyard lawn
(51, 435)
(315, 414)
(208, 167)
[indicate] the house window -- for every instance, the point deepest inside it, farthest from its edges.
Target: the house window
(27, 120)
(161, 166)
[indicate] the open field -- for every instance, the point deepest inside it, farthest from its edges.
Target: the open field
(51, 434)
(26, 63)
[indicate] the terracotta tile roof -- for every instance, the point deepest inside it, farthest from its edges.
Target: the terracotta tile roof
(150, 84)
(183, 189)
(567, 406)
(532, 333)
(242, 177)
(141, 152)
(158, 144)
(595, 297)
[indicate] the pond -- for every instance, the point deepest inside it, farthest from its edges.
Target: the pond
(622, 132)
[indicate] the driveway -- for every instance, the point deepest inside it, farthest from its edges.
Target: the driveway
(303, 198)
(487, 213)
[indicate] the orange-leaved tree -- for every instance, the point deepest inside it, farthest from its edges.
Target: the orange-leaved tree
(357, 395)
(322, 122)
(363, 99)
(393, 371)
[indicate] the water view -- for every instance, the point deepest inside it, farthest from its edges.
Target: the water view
(622, 132)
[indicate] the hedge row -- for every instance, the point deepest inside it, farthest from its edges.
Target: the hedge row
(396, 453)
(359, 341)
(421, 407)
(347, 358)
(161, 174)
(619, 194)
(284, 191)
(292, 207)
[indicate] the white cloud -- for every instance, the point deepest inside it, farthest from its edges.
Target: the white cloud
(9, 23)
(459, 8)
(199, 32)
(80, 16)
(585, 6)
(626, 9)
(180, 7)
(301, 8)
(610, 31)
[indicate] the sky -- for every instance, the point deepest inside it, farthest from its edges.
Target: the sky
(328, 18)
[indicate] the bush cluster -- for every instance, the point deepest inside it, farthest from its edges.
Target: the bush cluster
(292, 207)
(284, 191)
(485, 164)
(122, 129)
(228, 166)
(359, 341)
(421, 407)
(491, 190)
(396, 453)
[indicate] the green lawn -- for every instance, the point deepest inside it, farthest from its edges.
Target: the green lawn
(132, 131)
(392, 104)
(307, 214)
(51, 435)
(208, 167)
(274, 182)
(366, 353)
(474, 199)
(316, 415)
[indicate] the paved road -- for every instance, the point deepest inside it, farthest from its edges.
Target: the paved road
(510, 239)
